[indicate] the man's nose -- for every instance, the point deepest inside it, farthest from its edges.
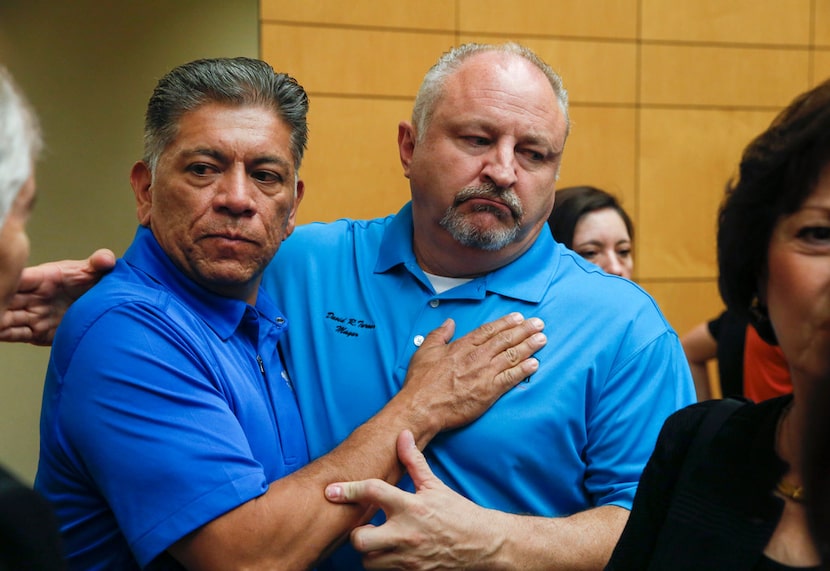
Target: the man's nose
(500, 166)
(235, 192)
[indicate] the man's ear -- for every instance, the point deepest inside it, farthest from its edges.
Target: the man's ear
(141, 180)
(292, 218)
(406, 145)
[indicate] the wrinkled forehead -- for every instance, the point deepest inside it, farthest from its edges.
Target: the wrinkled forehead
(251, 126)
(505, 87)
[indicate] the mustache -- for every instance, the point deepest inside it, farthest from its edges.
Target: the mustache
(493, 192)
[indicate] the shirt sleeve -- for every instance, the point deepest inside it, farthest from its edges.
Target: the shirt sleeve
(643, 390)
(147, 423)
(715, 324)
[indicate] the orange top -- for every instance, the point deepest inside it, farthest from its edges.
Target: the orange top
(766, 374)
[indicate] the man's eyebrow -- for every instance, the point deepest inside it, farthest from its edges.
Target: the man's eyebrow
(272, 159)
(204, 151)
(534, 140)
(219, 156)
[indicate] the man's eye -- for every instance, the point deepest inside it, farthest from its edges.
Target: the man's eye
(477, 141)
(534, 156)
(201, 169)
(267, 176)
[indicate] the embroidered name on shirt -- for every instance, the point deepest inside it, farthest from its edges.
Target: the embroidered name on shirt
(349, 326)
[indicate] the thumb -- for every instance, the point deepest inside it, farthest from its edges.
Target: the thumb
(413, 460)
(101, 260)
(441, 335)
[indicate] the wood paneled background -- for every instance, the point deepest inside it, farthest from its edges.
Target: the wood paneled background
(664, 96)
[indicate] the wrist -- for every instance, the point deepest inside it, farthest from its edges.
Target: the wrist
(407, 412)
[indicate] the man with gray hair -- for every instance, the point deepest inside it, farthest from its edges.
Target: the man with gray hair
(170, 433)
(28, 530)
(544, 480)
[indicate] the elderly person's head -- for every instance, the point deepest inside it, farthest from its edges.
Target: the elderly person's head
(20, 144)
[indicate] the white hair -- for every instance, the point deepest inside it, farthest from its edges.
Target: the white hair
(20, 141)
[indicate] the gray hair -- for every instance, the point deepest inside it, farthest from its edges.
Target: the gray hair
(230, 81)
(433, 84)
(20, 141)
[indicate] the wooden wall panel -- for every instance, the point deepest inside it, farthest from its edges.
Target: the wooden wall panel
(593, 71)
(352, 167)
(727, 21)
(704, 75)
(357, 62)
(821, 23)
(681, 185)
(821, 67)
(599, 152)
(574, 18)
(415, 14)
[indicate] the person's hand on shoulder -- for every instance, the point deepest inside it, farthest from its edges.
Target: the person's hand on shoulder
(44, 294)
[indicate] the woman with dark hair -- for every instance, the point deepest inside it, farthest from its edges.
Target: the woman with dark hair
(592, 223)
(724, 487)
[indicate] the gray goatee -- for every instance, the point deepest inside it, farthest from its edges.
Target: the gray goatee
(466, 233)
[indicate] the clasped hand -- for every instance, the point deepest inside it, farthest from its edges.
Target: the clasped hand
(434, 528)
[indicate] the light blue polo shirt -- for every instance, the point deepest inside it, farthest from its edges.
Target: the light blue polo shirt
(574, 435)
(165, 406)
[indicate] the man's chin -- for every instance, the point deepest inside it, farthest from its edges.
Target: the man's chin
(491, 239)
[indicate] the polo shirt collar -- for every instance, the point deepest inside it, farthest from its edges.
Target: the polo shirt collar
(527, 278)
(220, 313)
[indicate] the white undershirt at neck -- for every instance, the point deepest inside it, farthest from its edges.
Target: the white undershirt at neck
(442, 283)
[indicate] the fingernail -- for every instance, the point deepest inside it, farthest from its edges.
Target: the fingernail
(537, 322)
(334, 492)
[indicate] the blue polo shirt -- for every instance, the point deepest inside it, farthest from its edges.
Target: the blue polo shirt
(575, 435)
(165, 406)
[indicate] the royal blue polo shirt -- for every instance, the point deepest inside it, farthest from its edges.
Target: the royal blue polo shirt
(165, 406)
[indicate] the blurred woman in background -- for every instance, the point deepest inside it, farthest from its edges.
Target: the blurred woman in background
(592, 223)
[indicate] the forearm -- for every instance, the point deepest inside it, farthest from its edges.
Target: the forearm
(292, 525)
(579, 542)
(700, 347)
(700, 375)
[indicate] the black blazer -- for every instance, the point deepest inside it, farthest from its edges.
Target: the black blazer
(29, 536)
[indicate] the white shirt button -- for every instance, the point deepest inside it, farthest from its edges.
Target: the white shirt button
(418, 340)
(434, 303)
